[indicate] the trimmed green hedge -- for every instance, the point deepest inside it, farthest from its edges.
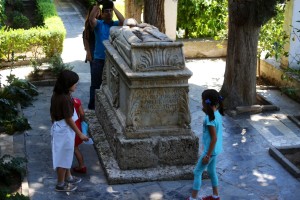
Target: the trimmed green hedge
(48, 38)
(2, 15)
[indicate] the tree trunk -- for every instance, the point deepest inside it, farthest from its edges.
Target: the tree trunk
(239, 87)
(133, 9)
(154, 14)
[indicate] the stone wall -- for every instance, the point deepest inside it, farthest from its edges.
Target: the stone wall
(203, 48)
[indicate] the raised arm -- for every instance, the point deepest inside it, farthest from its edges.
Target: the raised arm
(119, 16)
(93, 16)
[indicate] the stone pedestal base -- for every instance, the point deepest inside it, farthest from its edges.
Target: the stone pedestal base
(115, 175)
(149, 152)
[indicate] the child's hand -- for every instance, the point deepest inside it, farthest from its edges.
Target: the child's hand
(83, 137)
(205, 160)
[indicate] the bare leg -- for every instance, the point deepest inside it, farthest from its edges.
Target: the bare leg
(215, 191)
(79, 157)
(61, 173)
(68, 173)
(195, 194)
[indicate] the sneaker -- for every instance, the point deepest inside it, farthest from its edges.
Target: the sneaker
(74, 180)
(66, 188)
(79, 170)
(210, 198)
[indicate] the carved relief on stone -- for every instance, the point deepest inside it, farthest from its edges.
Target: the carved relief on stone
(104, 75)
(144, 48)
(158, 58)
(115, 87)
(133, 113)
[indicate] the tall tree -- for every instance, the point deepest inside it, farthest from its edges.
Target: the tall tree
(133, 9)
(154, 13)
(245, 20)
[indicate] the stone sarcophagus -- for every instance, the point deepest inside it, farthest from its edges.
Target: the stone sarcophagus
(143, 103)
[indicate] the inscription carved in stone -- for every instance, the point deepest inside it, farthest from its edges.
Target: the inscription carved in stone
(160, 107)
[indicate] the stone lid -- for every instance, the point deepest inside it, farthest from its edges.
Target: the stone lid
(145, 48)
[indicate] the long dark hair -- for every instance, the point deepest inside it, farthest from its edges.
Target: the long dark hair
(65, 80)
(212, 98)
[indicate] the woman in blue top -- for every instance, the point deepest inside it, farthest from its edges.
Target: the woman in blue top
(212, 142)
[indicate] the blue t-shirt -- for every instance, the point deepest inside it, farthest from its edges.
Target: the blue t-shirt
(217, 123)
(102, 33)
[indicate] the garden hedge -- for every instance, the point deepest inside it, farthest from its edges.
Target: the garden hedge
(45, 40)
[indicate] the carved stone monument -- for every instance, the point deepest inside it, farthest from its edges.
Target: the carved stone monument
(143, 105)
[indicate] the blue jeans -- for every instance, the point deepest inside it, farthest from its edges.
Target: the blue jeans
(97, 66)
(211, 169)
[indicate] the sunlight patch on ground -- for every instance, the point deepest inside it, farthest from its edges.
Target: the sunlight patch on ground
(257, 118)
(208, 72)
(19, 72)
(156, 196)
(263, 178)
(111, 190)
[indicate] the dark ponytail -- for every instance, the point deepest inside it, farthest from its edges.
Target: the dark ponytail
(212, 98)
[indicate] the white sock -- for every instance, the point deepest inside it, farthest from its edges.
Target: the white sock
(192, 198)
(215, 196)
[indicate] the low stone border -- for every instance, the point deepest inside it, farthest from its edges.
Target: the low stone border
(117, 176)
(49, 82)
(263, 107)
(288, 165)
(295, 119)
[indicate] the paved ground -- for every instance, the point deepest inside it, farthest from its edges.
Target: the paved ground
(246, 171)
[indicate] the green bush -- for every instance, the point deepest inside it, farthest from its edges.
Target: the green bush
(2, 12)
(9, 165)
(49, 38)
(202, 18)
(57, 65)
(10, 168)
(18, 5)
(272, 37)
(17, 92)
(20, 21)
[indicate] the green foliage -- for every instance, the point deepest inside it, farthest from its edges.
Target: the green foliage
(49, 38)
(8, 108)
(5, 194)
(57, 65)
(2, 12)
(10, 169)
(289, 76)
(36, 64)
(17, 5)
(9, 165)
(202, 18)
(20, 21)
(18, 123)
(17, 92)
(272, 37)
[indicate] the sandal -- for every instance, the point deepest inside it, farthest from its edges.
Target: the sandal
(79, 170)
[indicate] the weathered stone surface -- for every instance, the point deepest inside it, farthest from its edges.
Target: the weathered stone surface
(143, 103)
(144, 48)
